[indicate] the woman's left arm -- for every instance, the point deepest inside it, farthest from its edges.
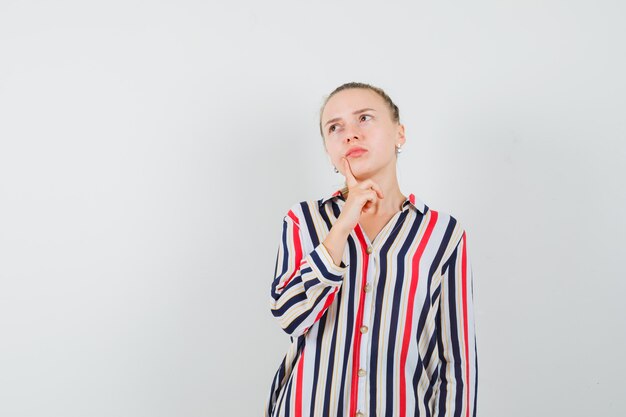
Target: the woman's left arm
(456, 337)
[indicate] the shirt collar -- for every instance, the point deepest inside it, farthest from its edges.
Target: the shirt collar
(411, 200)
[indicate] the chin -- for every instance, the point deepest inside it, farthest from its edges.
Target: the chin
(363, 172)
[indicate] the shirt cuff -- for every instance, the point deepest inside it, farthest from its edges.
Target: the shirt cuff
(324, 267)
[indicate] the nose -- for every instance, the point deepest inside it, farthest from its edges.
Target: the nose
(351, 133)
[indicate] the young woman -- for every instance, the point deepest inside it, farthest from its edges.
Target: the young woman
(373, 287)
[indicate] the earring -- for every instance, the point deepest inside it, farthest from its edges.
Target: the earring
(336, 170)
(398, 149)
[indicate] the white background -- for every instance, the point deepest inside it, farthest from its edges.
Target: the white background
(150, 149)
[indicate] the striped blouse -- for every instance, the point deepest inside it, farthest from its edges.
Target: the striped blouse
(389, 331)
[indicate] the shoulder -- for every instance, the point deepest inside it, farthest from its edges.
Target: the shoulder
(450, 222)
(450, 229)
(443, 218)
(454, 240)
(303, 210)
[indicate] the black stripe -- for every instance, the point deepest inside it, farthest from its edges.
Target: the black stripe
(333, 344)
(350, 320)
(285, 265)
(443, 386)
(433, 378)
(416, 376)
(475, 376)
(376, 311)
(298, 320)
(308, 218)
(427, 305)
(456, 348)
(316, 367)
(395, 312)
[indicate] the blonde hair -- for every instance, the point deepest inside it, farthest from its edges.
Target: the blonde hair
(395, 112)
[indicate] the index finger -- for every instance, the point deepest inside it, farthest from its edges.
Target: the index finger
(350, 180)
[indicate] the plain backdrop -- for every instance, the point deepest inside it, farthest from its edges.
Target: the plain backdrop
(150, 149)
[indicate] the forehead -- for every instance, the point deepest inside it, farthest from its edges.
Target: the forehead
(343, 103)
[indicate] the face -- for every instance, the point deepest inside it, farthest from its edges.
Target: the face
(361, 118)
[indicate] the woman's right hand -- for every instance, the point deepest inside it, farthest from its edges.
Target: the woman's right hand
(361, 197)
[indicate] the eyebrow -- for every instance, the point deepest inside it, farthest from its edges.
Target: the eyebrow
(355, 112)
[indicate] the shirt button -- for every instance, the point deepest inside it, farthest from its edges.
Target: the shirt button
(364, 329)
(369, 249)
(367, 288)
(359, 414)
(361, 372)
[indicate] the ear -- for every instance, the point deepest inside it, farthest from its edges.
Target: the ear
(400, 139)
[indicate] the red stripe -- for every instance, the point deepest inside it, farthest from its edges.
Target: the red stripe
(356, 349)
(298, 412)
(410, 304)
(297, 248)
(329, 300)
(464, 275)
(293, 217)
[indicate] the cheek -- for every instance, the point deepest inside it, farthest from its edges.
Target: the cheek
(384, 148)
(334, 152)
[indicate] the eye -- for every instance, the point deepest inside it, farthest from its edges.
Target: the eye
(332, 128)
(365, 117)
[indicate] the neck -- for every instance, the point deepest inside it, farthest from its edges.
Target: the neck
(392, 196)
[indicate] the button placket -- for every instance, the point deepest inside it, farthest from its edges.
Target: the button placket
(364, 329)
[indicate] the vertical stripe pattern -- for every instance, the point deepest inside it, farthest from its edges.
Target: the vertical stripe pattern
(387, 332)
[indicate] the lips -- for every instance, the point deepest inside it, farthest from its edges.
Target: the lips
(356, 151)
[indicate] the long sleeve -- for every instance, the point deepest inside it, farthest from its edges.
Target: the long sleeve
(304, 284)
(456, 337)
